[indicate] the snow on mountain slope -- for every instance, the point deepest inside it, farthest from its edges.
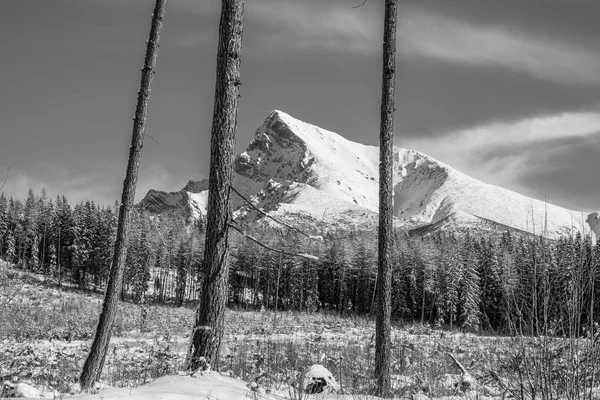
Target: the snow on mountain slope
(292, 168)
(190, 203)
(285, 148)
(428, 191)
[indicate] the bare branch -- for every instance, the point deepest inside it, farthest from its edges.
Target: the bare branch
(458, 364)
(273, 218)
(5, 178)
(361, 4)
(307, 256)
(156, 141)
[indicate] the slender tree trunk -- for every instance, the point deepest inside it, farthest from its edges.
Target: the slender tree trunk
(59, 262)
(277, 288)
(211, 311)
(95, 360)
(386, 151)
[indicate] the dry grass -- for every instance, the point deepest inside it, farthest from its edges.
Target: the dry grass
(44, 338)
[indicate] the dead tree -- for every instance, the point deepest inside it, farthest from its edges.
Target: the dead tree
(386, 152)
(95, 360)
(208, 330)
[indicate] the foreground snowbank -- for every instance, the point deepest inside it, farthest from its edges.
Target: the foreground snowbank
(210, 385)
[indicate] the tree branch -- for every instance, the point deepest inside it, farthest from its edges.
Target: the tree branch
(307, 256)
(5, 178)
(361, 4)
(273, 218)
(458, 364)
(156, 141)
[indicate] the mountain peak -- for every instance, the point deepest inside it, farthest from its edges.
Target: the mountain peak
(196, 186)
(298, 170)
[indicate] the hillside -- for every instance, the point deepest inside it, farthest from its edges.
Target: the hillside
(299, 171)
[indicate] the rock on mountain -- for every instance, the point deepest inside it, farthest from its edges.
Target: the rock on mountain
(299, 171)
(189, 203)
(593, 221)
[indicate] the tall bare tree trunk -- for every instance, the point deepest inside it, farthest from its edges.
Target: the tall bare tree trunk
(95, 360)
(386, 152)
(210, 314)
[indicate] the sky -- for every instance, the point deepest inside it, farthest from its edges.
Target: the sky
(505, 91)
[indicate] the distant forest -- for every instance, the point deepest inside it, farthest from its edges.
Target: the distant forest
(506, 283)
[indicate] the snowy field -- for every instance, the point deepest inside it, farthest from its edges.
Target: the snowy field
(45, 334)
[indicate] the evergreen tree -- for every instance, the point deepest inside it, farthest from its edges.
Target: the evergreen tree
(491, 284)
(94, 363)
(182, 265)
(10, 247)
(595, 286)
(470, 292)
(4, 226)
(30, 230)
(449, 277)
(45, 208)
(364, 264)
(210, 317)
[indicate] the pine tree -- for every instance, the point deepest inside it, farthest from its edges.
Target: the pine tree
(106, 243)
(10, 247)
(30, 230)
(137, 273)
(3, 223)
(79, 248)
(470, 291)
(208, 330)
(64, 236)
(45, 208)
(491, 284)
(364, 265)
(95, 360)
(595, 286)
(182, 264)
(386, 140)
(448, 279)
(52, 267)
(20, 236)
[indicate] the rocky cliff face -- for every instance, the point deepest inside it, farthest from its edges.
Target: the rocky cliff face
(189, 203)
(593, 221)
(299, 171)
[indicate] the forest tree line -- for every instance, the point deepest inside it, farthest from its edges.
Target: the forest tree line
(505, 283)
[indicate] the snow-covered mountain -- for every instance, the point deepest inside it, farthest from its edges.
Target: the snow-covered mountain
(189, 203)
(299, 171)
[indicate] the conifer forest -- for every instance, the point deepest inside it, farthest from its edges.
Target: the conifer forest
(495, 284)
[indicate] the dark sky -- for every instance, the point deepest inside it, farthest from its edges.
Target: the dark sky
(504, 90)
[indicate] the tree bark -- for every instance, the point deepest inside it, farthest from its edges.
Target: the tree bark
(386, 151)
(210, 314)
(95, 360)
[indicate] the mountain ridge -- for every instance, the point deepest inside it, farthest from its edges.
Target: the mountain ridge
(292, 167)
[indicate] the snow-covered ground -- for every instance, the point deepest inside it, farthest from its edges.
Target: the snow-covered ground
(207, 386)
(269, 349)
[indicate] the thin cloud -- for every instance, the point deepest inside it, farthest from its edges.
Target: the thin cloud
(156, 176)
(501, 153)
(333, 26)
(427, 35)
(76, 188)
(290, 25)
(103, 189)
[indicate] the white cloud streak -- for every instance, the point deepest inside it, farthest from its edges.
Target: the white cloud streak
(103, 189)
(333, 25)
(293, 25)
(434, 36)
(299, 25)
(501, 152)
